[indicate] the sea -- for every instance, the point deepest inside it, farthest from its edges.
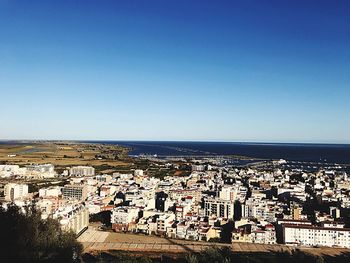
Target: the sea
(302, 152)
(298, 152)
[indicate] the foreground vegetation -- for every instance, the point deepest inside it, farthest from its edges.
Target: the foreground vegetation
(28, 238)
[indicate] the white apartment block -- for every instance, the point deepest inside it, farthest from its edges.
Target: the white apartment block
(198, 168)
(181, 230)
(71, 191)
(228, 193)
(182, 210)
(14, 191)
(82, 171)
(74, 218)
(260, 209)
(218, 207)
(122, 216)
(42, 168)
(176, 194)
(54, 191)
(40, 171)
(8, 170)
(164, 221)
(266, 236)
(316, 236)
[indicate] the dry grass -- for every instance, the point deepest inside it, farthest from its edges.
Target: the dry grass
(61, 154)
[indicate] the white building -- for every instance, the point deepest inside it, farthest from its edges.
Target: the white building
(138, 173)
(40, 171)
(73, 217)
(218, 207)
(334, 212)
(228, 193)
(122, 216)
(264, 236)
(71, 191)
(53, 191)
(82, 171)
(181, 230)
(42, 168)
(14, 191)
(8, 170)
(261, 209)
(316, 236)
(198, 168)
(164, 221)
(103, 178)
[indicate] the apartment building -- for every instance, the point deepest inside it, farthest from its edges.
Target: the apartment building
(72, 191)
(73, 217)
(218, 207)
(82, 171)
(53, 191)
(307, 235)
(14, 191)
(164, 221)
(122, 216)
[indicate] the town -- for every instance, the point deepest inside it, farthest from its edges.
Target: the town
(217, 201)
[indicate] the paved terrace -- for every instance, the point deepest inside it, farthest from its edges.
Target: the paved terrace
(93, 239)
(98, 240)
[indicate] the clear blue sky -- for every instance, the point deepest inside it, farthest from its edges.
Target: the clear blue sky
(175, 70)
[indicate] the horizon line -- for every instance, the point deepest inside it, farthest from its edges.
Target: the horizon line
(182, 140)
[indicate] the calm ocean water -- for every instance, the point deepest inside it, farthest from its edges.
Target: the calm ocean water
(330, 153)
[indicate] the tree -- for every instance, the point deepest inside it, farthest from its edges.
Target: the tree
(32, 239)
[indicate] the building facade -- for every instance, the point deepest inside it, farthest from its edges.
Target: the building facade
(14, 191)
(316, 236)
(82, 171)
(74, 218)
(71, 191)
(219, 207)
